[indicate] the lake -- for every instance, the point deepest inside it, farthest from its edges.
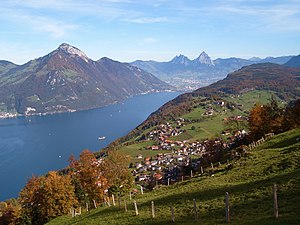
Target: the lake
(38, 144)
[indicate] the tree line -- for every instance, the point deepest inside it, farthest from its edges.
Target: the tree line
(271, 118)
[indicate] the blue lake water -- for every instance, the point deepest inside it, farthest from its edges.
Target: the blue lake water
(38, 144)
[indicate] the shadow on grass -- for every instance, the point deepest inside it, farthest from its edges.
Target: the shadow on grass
(245, 208)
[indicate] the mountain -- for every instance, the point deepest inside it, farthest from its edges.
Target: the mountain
(67, 80)
(5, 66)
(181, 59)
(191, 74)
(204, 59)
(293, 62)
(278, 60)
(262, 76)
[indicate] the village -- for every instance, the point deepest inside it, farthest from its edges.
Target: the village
(181, 158)
(5, 115)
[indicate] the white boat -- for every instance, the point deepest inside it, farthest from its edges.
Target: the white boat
(101, 138)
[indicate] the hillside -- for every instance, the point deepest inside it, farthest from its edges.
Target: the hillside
(266, 77)
(67, 80)
(293, 62)
(5, 66)
(249, 181)
(190, 74)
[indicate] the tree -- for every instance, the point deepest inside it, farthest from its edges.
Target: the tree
(87, 175)
(46, 197)
(28, 199)
(10, 212)
(292, 115)
(265, 119)
(57, 196)
(258, 121)
(115, 169)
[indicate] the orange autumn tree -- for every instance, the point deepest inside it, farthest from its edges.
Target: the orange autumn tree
(28, 199)
(44, 198)
(258, 121)
(115, 169)
(264, 119)
(10, 212)
(87, 177)
(57, 196)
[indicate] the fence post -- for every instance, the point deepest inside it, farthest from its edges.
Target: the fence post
(142, 191)
(201, 170)
(172, 212)
(130, 195)
(95, 205)
(136, 208)
(227, 207)
(195, 209)
(87, 206)
(108, 201)
(275, 201)
(191, 173)
(113, 200)
(152, 209)
(212, 165)
(168, 181)
(181, 178)
(125, 205)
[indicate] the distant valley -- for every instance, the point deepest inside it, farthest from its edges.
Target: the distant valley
(187, 74)
(67, 80)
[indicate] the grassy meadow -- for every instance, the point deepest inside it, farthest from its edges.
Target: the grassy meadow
(249, 181)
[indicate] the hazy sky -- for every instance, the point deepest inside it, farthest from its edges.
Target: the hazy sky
(127, 30)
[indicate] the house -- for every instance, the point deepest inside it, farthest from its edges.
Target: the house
(154, 147)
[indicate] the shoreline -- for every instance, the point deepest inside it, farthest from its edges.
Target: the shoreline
(7, 115)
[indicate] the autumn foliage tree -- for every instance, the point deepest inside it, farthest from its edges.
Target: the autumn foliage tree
(47, 197)
(115, 169)
(29, 200)
(270, 118)
(10, 212)
(265, 119)
(87, 177)
(292, 115)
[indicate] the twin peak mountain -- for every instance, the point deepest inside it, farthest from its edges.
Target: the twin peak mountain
(67, 80)
(203, 59)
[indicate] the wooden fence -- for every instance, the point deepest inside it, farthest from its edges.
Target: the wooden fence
(195, 215)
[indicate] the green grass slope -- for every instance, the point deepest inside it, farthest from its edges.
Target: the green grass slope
(249, 182)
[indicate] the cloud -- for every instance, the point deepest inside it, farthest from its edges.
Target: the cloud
(107, 9)
(279, 17)
(258, 15)
(56, 29)
(146, 20)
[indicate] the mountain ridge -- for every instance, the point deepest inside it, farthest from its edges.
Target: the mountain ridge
(67, 80)
(201, 71)
(294, 62)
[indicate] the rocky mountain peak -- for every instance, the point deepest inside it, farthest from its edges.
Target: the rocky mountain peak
(180, 59)
(205, 59)
(71, 50)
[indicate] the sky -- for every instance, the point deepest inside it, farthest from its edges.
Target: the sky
(127, 30)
